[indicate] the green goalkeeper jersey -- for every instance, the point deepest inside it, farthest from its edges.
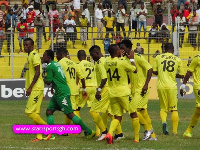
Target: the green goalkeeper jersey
(56, 75)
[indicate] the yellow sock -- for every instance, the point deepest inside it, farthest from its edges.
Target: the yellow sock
(175, 120)
(67, 120)
(77, 113)
(36, 118)
(39, 136)
(136, 128)
(148, 120)
(98, 132)
(143, 122)
(194, 120)
(98, 120)
(163, 116)
(119, 127)
(113, 125)
(104, 117)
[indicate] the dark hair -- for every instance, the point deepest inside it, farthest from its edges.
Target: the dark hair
(81, 53)
(128, 43)
(50, 53)
(95, 47)
(169, 47)
(62, 50)
(29, 39)
(112, 48)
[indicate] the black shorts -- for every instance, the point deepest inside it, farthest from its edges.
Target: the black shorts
(71, 36)
(134, 25)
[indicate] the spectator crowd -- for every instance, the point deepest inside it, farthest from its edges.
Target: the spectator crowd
(31, 18)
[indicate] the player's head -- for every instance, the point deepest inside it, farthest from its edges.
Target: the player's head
(95, 52)
(123, 49)
(114, 50)
(128, 45)
(48, 56)
(28, 45)
(169, 47)
(61, 52)
(81, 55)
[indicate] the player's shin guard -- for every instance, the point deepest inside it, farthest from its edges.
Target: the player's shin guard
(119, 127)
(113, 125)
(77, 113)
(67, 120)
(136, 128)
(98, 120)
(175, 120)
(194, 120)
(98, 131)
(163, 116)
(50, 119)
(36, 118)
(78, 121)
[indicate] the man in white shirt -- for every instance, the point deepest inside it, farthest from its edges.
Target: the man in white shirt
(181, 21)
(99, 17)
(142, 13)
(70, 25)
(121, 19)
(108, 9)
(86, 11)
(133, 19)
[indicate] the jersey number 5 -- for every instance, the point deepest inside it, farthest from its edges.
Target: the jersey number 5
(168, 65)
(114, 75)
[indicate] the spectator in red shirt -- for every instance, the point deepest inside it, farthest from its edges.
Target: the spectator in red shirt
(30, 21)
(55, 23)
(186, 11)
(1, 14)
(2, 36)
(22, 28)
(174, 12)
(51, 13)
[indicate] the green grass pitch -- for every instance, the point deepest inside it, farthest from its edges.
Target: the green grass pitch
(12, 112)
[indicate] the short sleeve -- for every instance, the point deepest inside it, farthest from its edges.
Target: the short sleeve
(36, 59)
(49, 74)
(128, 66)
(194, 64)
(155, 64)
(144, 63)
(180, 68)
(79, 71)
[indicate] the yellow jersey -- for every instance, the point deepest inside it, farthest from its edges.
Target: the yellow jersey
(87, 69)
(100, 71)
(109, 21)
(117, 69)
(32, 61)
(167, 66)
(83, 22)
(138, 79)
(195, 69)
(71, 72)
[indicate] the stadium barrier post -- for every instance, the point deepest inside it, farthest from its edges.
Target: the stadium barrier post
(131, 29)
(92, 32)
(12, 47)
(52, 44)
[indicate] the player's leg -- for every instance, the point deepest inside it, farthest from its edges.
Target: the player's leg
(33, 109)
(163, 109)
(76, 112)
(172, 94)
(134, 117)
(65, 105)
(195, 116)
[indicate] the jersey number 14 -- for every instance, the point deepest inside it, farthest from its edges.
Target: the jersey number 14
(114, 75)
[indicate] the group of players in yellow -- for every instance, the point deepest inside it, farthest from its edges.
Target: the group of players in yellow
(111, 87)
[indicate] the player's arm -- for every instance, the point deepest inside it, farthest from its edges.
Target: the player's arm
(35, 78)
(155, 67)
(180, 70)
(145, 87)
(103, 81)
(49, 76)
(191, 69)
